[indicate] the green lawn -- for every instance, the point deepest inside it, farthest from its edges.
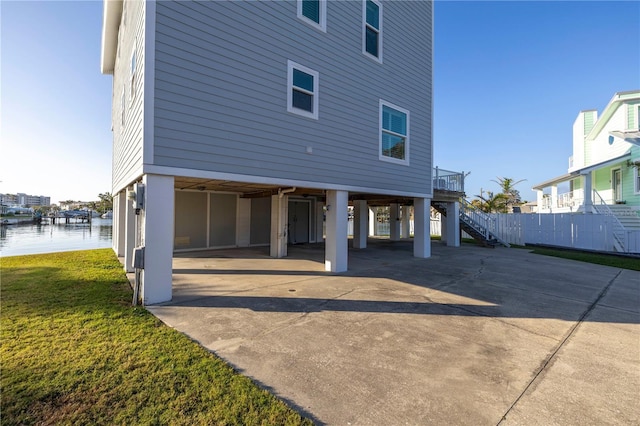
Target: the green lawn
(597, 258)
(74, 351)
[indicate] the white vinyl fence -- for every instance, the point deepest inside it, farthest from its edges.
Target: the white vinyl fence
(572, 230)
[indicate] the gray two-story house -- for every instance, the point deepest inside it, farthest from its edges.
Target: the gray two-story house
(240, 123)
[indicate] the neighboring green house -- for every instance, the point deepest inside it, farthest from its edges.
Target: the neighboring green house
(604, 169)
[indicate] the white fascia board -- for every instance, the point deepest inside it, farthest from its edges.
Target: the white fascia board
(111, 14)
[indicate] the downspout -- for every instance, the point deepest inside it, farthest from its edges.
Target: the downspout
(281, 191)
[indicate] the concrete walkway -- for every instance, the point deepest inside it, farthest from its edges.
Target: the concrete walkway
(471, 336)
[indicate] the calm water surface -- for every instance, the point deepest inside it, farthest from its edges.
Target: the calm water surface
(17, 240)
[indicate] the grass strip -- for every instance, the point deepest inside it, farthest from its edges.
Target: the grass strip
(597, 258)
(74, 351)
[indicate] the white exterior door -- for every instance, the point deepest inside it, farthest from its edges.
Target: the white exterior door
(616, 185)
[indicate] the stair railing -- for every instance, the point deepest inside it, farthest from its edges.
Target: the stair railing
(619, 232)
(480, 221)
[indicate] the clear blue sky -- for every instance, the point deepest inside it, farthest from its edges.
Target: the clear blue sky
(510, 78)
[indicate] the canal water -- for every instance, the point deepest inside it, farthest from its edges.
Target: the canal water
(17, 240)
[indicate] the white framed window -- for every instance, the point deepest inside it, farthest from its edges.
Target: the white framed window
(636, 179)
(134, 58)
(302, 90)
(372, 29)
(314, 13)
(394, 133)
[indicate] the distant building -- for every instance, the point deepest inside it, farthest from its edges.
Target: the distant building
(22, 199)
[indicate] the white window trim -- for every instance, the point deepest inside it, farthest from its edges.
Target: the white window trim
(364, 31)
(322, 26)
(316, 79)
(636, 180)
(133, 71)
(405, 161)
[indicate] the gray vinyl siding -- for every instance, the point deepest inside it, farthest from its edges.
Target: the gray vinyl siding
(127, 139)
(221, 92)
(190, 220)
(222, 220)
(260, 220)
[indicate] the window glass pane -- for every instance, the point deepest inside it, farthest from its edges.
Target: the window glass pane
(371, 40)
(393, 120)
(392, 146)
(303, 80)
(311, 9)
(302, 100)
(373, 14)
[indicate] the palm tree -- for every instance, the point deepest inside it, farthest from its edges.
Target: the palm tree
(492, 203)
(511, 195)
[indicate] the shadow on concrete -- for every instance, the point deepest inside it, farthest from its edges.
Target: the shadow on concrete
(505, 283)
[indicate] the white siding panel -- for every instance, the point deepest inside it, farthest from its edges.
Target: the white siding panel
(220, 81)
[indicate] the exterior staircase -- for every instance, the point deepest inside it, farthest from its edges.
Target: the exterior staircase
(474, 222)
(624, 220)
(627, 217)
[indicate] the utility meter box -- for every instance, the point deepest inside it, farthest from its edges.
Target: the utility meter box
(138, 258)
(137, 196)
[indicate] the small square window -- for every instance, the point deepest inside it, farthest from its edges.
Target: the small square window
(314, 13)
(394, 133)
(302, 90)
(372, 29)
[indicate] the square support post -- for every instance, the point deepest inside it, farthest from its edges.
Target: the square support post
(394, 222)
(119, 224)
(405, 231)
(453, 224)
(336, 253)
(372, 222)
(279, 219)
(588, 192)
(360, 224)
(421, 228)
(130, 235)
(157, 238)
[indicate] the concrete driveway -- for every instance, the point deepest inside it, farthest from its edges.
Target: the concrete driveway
(470, 336)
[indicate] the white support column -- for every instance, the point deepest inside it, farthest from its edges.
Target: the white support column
(443, 228)
(588, 190)
(319, 221)
(453, 224)
(360, 224)
(539, 199)
(243, 225)
(120, 203)
(394, 222)
(336, 253)
(372, 221)
(157, 237)
(406, 222)
(554, 199)
(279, 218)
(421, 236)
(129, 222)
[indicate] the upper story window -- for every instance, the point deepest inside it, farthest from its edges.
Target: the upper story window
(132, 94)
(372, 29)
(302, 90)
(394, 133)
(314, 13)
(636, 179)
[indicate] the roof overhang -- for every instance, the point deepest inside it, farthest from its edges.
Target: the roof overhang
(615, 102)
(111, 14)
(631, 136)
(583, 171)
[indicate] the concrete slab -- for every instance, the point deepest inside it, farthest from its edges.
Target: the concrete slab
(469, 336)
